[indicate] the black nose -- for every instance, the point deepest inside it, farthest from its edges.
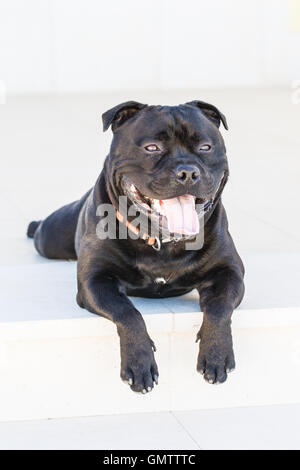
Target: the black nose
(187, 174)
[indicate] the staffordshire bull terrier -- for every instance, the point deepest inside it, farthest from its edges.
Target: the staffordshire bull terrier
(168, 163)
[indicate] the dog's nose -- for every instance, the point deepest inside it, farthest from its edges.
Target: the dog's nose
(187, 174)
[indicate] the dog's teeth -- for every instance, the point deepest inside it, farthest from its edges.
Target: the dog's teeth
(132, 188)
(156, 205)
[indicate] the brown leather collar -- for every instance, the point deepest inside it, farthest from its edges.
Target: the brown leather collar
(151, 241)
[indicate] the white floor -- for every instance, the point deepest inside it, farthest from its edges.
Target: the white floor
(269, 427)
(52, 149)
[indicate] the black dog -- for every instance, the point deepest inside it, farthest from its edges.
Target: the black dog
(167, 160)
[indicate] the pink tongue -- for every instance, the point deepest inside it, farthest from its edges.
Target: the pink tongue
(181, 214)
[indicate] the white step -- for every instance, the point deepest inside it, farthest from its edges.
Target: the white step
(57, 360)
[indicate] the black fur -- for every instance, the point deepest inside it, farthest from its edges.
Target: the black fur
(32, 228)
(109, 270)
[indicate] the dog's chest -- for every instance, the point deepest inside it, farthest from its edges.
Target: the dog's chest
(156, 273)
(155, 276)
(159, 275)
(152, 279)
(156, 281)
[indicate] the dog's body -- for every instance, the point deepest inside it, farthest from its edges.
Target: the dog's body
(187, 164)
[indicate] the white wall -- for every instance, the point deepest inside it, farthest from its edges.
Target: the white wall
(89, 45)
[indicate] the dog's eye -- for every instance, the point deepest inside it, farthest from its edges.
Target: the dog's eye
(152, 148)
(205, 148)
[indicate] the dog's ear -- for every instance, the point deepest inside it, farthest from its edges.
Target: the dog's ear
(120, 113)
(211, 112)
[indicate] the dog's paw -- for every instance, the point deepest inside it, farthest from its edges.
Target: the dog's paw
(215, 362)
(139, 369)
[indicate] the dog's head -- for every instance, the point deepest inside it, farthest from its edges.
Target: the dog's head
(168, 159)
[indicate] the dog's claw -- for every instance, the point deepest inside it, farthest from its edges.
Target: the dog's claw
(156, 379)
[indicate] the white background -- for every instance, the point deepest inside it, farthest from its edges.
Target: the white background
(95, 45)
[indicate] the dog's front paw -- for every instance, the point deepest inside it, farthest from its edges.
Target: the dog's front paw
(216, 358)
(138, 366)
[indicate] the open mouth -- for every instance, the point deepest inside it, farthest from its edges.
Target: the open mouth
(179, 215)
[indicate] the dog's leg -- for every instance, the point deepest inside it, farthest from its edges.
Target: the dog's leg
(220, 292)
(102, 295)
